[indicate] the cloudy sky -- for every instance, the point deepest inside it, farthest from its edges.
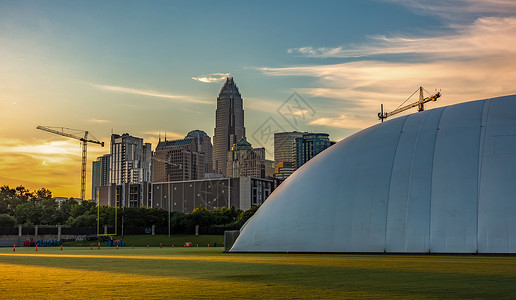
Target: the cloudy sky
(148, 67)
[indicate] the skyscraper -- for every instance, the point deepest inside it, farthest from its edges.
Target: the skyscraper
(229, 124)
(130, 160)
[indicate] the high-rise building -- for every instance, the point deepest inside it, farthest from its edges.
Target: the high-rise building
(229, 124)
(130, 160)
(178, 160)
(309, 145)
(244, 161)
(95, 177)
(204, 146)
(285, 153)
(100, 173)
(284, 146)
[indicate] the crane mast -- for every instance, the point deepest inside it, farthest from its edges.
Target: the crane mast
(420, 104)
(84, 142)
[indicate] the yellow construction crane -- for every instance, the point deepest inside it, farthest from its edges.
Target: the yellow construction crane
(420, 104)
(73, 133)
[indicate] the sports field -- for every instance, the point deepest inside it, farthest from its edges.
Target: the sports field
(77, 272)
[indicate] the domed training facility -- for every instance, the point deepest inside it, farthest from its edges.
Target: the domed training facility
(438, 181)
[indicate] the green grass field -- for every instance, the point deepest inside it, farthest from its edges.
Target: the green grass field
(78, 272)
(177, 240)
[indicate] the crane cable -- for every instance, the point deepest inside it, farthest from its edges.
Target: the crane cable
(408, 98)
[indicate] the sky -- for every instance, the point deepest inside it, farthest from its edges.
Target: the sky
(153, 67)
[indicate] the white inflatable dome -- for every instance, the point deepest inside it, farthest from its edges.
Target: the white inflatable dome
(438, 181)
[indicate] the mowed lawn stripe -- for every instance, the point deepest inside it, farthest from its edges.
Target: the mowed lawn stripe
(19, 281)
(487, 265)
(308, 272)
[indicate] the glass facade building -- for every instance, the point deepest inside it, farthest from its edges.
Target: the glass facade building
(309, 145)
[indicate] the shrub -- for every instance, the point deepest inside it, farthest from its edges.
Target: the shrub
(84, 221)
(7, 220)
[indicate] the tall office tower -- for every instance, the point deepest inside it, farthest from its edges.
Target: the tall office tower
(285, 152)
(204, 146)
(100, 173)
(244, 161)
(229, 124)
(95, 177)
(269, 168)
(309, 145)
(178, 160)
(130, 160)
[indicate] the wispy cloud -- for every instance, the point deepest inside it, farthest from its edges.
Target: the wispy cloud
(98, 121)
(213, 77)
(474, 58)
(459, 10)
(258, 104)
(358, 88)
(43, 148)
(51, 163)
(486, 36)
(149, 93)
(343, 121)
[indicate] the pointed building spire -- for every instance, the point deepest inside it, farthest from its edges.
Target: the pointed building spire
(229, 124)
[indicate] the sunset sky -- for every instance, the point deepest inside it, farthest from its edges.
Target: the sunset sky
(145, 67)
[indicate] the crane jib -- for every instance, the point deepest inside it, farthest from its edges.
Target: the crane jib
(72, 133)
(420, 104)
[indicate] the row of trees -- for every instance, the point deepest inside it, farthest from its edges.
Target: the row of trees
(19, 206)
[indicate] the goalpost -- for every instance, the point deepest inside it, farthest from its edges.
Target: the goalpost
(116, 218)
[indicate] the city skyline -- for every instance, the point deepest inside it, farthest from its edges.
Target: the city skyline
(147, 68)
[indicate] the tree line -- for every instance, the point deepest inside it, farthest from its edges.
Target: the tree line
(19, 206)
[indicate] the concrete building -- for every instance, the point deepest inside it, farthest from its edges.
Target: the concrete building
(125, 195)
(437, 181)
(269, 168)
(60, 200)
(178, 160)
(284, 170)
(130, 160)
(229, 124)
(309, 145)
(204, 146)
(185, 196)
(100, 173)
(245, 161)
